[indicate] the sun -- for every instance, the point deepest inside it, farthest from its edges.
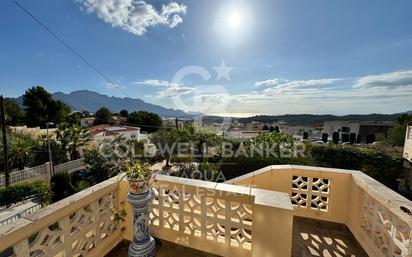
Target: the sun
(234, 19)
(234, 23)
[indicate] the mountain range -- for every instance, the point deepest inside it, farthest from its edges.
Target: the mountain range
(85, 100)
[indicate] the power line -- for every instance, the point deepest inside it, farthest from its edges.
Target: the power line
(68, 46)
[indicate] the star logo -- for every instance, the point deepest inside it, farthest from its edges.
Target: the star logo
(223, 71)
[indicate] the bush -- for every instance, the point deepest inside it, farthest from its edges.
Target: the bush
(382, 166)
(20, 191)
(62, 187)
(237, 166)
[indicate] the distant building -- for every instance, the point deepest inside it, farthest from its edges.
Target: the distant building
(87, 122)
(171, 123)
(119, 120)
(103, 132)
(239, 131)
(297, 130)
(33, 132)
(362, 129)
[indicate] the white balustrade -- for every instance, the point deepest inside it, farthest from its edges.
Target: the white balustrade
(70, 166)
(21, 175)
(80, 225)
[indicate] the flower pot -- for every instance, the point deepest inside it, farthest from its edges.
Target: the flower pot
(137, 186)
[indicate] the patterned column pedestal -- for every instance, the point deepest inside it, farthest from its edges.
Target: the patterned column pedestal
(143, 244)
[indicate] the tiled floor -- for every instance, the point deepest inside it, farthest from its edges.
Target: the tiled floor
(163, 249)
(323, 239)
(311, 238)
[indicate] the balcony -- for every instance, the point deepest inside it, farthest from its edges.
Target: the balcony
(276, 211)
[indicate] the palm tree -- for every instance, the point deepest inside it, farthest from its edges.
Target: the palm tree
(20, 150)
(72, 139)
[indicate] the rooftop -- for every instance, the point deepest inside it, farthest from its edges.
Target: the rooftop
(282, 210)
(311, 238)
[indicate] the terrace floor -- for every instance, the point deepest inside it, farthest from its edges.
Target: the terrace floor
(311, 238)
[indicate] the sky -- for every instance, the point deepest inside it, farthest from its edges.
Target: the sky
(221, 57)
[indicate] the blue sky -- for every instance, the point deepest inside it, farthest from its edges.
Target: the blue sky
(240, 57)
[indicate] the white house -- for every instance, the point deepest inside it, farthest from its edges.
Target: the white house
(87, 122)
(103, 132)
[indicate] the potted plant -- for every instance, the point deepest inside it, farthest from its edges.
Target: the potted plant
(140, 177)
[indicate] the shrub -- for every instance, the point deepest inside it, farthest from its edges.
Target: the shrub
(237, 166)
(20, 191)
(382, 166)
(62, 187)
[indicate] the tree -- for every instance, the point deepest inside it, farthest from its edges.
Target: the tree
(278, 142)
(124, 113)
(106, 161)
(20, 152)
(203, 138)
(41, 154)
(147, 121)
(41, 108)
(396, 134)
(14, 113)
(73, 138)
(103, 116)
(61, 186)
(73, 118)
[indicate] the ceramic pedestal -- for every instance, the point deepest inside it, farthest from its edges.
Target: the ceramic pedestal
(143, 244)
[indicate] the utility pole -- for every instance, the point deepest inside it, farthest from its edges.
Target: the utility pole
(5, 148)
(48, 145)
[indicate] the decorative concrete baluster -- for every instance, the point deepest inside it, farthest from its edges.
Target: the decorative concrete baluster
(143, 244)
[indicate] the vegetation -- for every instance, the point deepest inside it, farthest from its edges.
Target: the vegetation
(108, 160)
(139, 171)
(73, 119)
(396, 134)
(383, 166)
(103, 116)
(72, 139)
(61, 186)
(236, 166)
(15, 115)
(124, 113)
(304, 119)
(147, 121)
(20, 191)
(276, 142)
(41, 108)
(25, 151)
(20, 151)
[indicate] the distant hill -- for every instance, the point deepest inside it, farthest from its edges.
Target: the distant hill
(305, 119)
(85, 100)
(308, 119)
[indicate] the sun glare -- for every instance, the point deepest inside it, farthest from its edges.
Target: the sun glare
(234, 23)
(234, 19)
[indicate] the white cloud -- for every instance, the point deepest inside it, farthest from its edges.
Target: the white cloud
(174, 91)
(269, 83)
(171, 89)
(279, 83)
(393, 79)
(134, 16)
(113, 85)
(154, 83)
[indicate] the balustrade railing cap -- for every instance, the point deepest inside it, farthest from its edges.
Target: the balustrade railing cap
(272, 199)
